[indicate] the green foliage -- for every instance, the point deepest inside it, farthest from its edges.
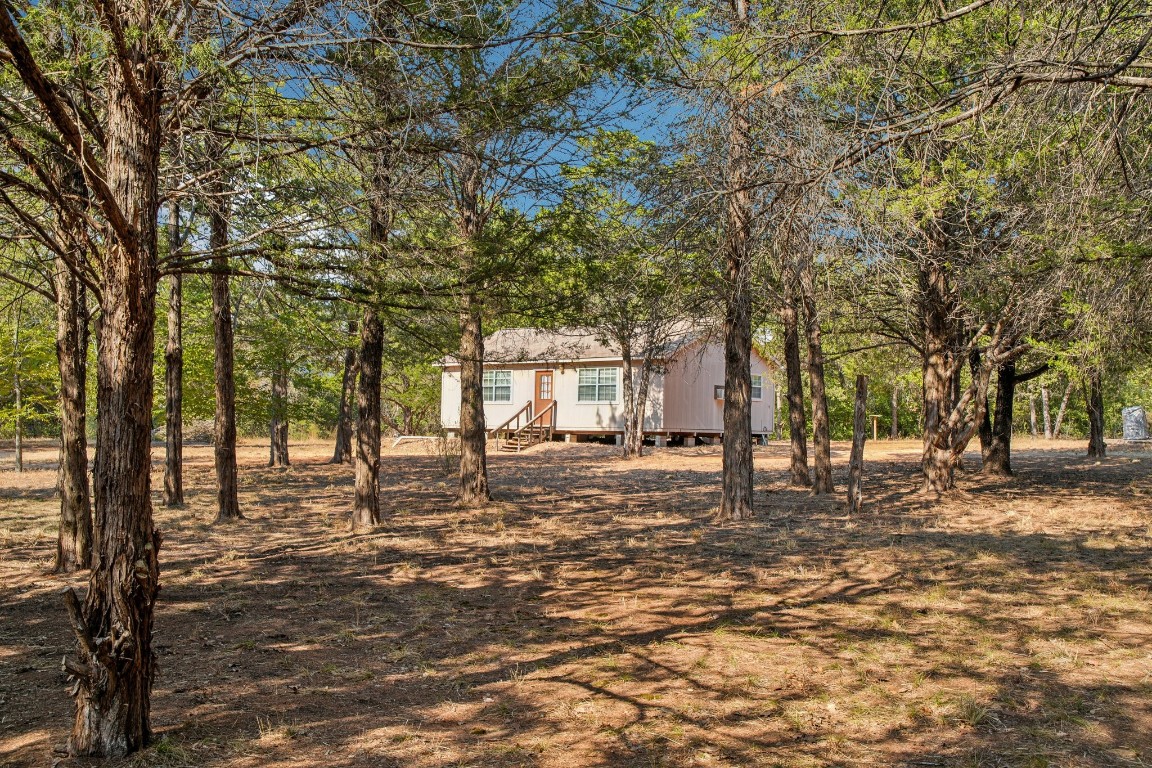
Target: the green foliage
(27, 358)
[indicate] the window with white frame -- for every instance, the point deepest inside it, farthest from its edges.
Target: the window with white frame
(497, 386)
(597, 385)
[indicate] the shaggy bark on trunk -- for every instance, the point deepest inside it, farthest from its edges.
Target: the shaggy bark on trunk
(996, 457)
(985, 426)
(473, 434)
(1094, 395)
(473, 490)
(278, 418)
(74, 535)
(224, 427)
(940, 367)
(952, 415)
(111, 675)
(797, 421)
(821, 438)
(174, 376)
(736, 469)
(342, 454)
(74, 540)
(366, 507)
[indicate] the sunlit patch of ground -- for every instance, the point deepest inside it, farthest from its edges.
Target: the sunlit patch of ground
(594, 615)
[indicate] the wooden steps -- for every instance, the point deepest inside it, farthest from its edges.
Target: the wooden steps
(514, 439)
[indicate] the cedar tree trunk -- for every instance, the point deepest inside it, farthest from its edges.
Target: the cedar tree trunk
(895, 431)
(797, 421)
(997, 456)
(18, 393)
(1063, 409)
(939, 379)
(1046, 411)
(366, 508)
(74, 543)
(174, 376)
(342, 454)
(635, 395)
(473, 435)
(737, 485)
(278, 419)
(859, 435)
(224, 429)
(821, 438)
(1032, 411)
(112, 679)
(1094, 395)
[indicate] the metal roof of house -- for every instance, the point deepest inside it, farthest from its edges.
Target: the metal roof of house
(535, 345)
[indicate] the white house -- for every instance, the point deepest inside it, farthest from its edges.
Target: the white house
(571, 380)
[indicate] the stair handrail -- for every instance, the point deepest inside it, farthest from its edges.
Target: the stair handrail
(531, 425)
(495, 433)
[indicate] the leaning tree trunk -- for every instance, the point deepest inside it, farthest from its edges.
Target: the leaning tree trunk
(74, 542)
(174, 376)
(473, 434)
(1095, 396)
(366, 507)
(797, 422)
(997, 455)
(737, 470)
(342, 453)
(278, 418)
(224, 429)
(821, 437)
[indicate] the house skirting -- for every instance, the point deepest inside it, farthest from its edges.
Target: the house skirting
(661, 437)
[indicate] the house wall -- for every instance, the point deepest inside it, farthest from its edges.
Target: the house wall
(494, 413)
(571, 415)
(689, 392)
(680, 401)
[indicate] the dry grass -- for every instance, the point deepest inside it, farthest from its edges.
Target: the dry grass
(595, 616)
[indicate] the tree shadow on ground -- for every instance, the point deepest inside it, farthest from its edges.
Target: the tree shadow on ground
(596, 616)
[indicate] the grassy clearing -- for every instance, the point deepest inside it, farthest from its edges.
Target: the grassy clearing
(595, 616)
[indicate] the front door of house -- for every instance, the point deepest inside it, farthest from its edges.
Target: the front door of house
(544, 394)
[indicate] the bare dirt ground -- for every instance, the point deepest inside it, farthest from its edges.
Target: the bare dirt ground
(596, 616)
